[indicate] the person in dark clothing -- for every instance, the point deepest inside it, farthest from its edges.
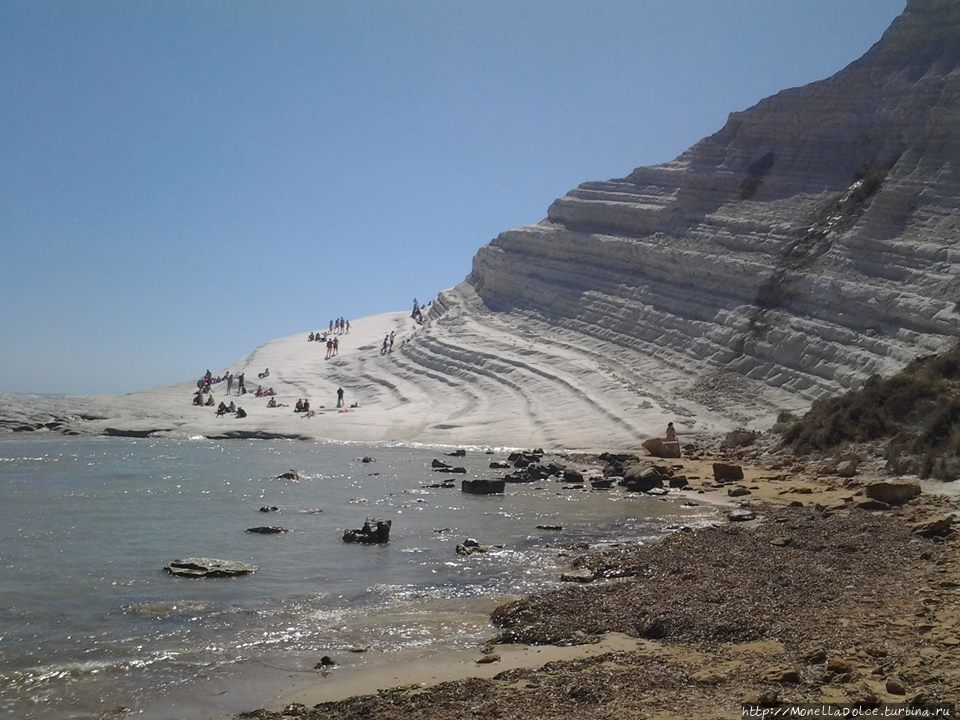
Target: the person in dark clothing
(241, 412)
(241, 388)
(339, 397)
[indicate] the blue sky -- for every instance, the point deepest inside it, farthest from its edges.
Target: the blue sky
(183, 181)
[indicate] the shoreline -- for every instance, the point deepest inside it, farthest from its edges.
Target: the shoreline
(720, 667)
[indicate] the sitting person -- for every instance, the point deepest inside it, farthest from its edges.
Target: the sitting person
(270, 391)
(241, 412)
(272, 402)
(306, 406)
(221, 409)
(310, 337)
(209, 402)
(259, 392)
(231, 408)
(299, 406)
(198, 398)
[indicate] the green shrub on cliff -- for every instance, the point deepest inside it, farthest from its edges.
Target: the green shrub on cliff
(922, 400)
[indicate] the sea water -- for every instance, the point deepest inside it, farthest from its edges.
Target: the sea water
(92, 627)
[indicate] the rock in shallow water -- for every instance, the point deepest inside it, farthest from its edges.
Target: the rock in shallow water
(373, 532)
(482, 487)
(209, 567)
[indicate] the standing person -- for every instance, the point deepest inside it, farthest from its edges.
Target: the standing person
(392, 333)
(241, 388)
(336, 346)
(386, 341)
(229, 382)
(339, 397)
(329, 348)
(671, 434)
(330, 329)
(348, 326)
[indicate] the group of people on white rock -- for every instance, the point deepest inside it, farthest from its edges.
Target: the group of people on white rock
(205, 383)
(337, 327)
(387, 345)
(231, 409)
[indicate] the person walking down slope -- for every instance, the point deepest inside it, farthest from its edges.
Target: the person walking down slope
(386, 342)
(336, 346)
(329, 348)
(339, 397)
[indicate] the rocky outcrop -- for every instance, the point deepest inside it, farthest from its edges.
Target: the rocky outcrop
(373, 532)
(893, 493)
(811, 242)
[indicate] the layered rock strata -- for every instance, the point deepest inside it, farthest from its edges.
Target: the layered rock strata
(810, 243)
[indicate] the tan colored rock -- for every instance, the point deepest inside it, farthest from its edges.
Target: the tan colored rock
(839, 666)
(895, 687)
(782, 675)
(893, 492)
(934, 527)
(847, 468)
(739, 438)
(658, 447)
(708, 676)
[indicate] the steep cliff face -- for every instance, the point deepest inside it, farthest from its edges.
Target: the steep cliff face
(811, 242)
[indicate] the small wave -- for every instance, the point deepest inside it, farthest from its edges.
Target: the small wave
(33, 678)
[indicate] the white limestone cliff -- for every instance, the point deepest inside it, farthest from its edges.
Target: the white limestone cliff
(810, 243)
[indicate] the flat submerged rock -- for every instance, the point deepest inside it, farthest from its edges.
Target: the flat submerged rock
(209, 567)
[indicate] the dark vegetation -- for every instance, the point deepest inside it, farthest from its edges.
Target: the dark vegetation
(917, 410)
(757, 170)
(871, 179)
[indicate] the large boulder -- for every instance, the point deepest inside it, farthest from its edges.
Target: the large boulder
(572, 476)
(658, 447)
(938, 526)
(482, 487)
(739, 438)
(374, 531)
(893, 492)
(724, 472)
(209, 567)
(641, 478)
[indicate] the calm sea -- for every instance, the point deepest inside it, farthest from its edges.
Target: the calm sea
(90, 623)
